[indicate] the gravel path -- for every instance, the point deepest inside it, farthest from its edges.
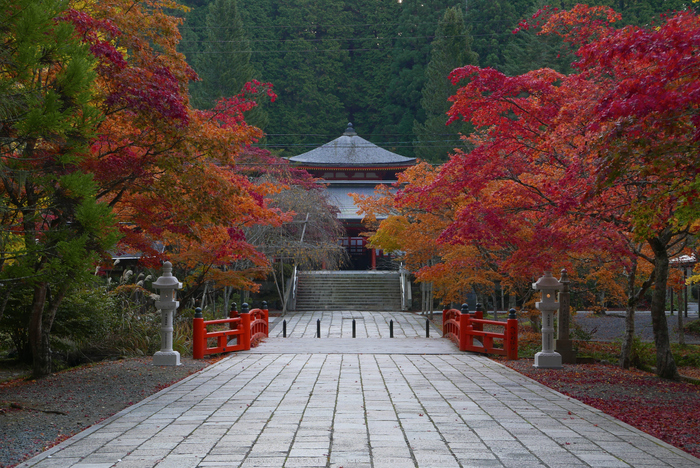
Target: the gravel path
(611, 327)
(35, 415)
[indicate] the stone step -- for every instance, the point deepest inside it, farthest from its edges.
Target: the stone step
(370, 291)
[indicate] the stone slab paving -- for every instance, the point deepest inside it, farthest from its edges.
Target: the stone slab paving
(297, 408)
(339, 325)
(278, 345)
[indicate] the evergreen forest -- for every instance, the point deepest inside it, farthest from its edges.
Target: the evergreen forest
(381, 64)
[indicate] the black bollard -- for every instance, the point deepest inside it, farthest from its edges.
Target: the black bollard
(391, 328)
(318, 328)
(427, 328)
(284, 329)
(354, 335)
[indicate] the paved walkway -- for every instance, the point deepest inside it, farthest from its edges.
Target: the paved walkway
(355, 403)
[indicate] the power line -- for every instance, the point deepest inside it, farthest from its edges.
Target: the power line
(320, 39)
(467, 22)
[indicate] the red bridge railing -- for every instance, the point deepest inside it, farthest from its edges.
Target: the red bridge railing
(463, 327)
(247, 328)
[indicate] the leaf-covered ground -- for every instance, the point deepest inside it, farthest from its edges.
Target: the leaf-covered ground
(667, 410)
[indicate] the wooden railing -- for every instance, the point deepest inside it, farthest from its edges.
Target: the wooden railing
(247, 328)
(463, 327)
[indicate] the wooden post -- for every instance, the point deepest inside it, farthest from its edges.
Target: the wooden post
(465, 339)
(479, 314)
(244, 337)
(198, 336)
(511, 339)
(233, 313)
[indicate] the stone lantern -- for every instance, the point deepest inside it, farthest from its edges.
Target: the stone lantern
(547, 358)
(167, 284)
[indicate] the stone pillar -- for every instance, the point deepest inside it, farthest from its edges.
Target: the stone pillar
(562, 344)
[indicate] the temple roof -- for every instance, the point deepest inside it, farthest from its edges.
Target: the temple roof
(351, 150)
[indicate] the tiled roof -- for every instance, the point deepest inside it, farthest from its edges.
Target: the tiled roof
(351, 150)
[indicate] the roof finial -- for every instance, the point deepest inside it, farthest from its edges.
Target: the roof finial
(350, 131)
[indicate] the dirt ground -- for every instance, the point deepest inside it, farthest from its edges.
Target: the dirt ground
(37, 414)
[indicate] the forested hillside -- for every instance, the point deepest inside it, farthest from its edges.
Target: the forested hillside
(377, 63)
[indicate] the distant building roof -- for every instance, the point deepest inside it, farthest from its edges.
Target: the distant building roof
(683, 260)
(351, 150)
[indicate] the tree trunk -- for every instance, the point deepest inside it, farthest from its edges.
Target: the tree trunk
(681, 332)
(665, 365)
(40, 325)
(5, 300)
(632, 301)
(41, 353)
(626, 351)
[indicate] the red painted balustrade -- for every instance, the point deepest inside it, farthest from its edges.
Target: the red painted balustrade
(464, 328)
(247, 328)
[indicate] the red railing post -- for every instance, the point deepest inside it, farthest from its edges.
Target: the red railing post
(244, 337)
(199, 341)
(511, 339)
(266, 312)
(233, 313)
(479, 314)
(445, 311)
(464, 328)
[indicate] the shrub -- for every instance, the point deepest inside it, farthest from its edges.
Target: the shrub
(79, 329)
(692, 327)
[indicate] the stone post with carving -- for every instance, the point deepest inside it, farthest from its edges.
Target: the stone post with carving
(563, 344)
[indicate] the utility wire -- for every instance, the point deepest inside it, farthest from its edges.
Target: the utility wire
(320, 39)
(351, 25)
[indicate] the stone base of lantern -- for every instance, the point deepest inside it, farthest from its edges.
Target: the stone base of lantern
(166, 358)
(548, 360)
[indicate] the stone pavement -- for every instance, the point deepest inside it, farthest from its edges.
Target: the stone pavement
(371, 401)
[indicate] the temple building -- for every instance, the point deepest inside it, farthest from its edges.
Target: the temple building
(351, 164)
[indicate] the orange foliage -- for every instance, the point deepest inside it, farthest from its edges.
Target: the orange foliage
(168, 170)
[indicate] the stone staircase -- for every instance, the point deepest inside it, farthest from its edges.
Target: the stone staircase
(349, 290)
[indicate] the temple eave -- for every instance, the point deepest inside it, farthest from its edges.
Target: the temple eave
(375, 167)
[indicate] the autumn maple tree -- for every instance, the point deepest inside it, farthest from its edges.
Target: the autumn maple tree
(399, 224)
(593, 161)
(168, 170)
(100, 125)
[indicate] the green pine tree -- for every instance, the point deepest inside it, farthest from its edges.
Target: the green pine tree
(370, 45)
(450, 49)
(54, 228)
(491, 23)
(223, 60)
(311, 66)
(410, 54)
